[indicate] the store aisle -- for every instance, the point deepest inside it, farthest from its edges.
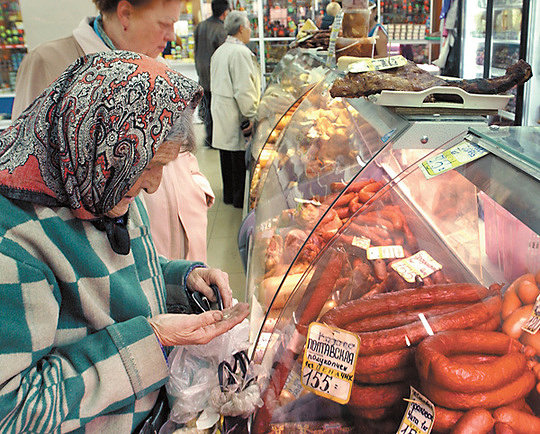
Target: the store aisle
(223, 221)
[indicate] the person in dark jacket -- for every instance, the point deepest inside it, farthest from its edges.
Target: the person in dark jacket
(209, 35)
(332, 9)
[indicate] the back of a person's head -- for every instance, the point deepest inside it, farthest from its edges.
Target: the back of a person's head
(234, 20)
(219, 6)
(333, 9)
(106, 6)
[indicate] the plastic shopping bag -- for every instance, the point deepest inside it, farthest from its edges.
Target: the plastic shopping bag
(193, 372)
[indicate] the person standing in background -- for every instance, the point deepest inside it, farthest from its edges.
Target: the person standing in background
(236, 90)
(209, 35)
(178, 209)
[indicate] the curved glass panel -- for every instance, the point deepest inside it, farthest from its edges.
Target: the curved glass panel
(420, 273)
(326, 143)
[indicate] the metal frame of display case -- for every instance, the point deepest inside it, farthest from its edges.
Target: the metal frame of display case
(489, 174)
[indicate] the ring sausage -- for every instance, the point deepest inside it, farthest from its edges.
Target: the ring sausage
(372, 413)
(490, 399)
(383, 341)
(406, 299)
(435, 367)
(503, 428)
(475, 421)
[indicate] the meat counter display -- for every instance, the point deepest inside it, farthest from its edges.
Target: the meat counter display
(295, 75)
(328, 140)
(421, 311)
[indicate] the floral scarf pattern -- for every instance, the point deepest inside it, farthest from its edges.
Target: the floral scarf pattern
(86, 139)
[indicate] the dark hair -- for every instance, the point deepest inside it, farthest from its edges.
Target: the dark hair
(219, 6)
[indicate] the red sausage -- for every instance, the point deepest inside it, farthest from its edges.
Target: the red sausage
(345, 199)
(405, 299)
(519, 421)
(435, 367)
(445, 419)
(475, 421)
(382, 341)
(384, 362)
(372, 413)
(378, 396)
(390, 376)
(490, 399)
(503, 428)
(382, 322)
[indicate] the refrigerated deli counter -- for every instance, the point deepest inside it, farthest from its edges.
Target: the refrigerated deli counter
(393, 273)
(294, 76)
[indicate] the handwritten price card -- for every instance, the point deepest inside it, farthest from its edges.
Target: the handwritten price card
(329, 362)
(419, 416)
(461, 154)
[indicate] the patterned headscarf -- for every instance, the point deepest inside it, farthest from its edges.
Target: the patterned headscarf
(86, 139)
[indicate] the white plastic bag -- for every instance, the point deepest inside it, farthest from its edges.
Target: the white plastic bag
(193, 371)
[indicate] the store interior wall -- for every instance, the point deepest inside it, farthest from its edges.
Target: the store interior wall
(46, 20)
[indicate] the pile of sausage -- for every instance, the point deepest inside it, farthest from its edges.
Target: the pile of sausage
(390, 328)
(476, 379)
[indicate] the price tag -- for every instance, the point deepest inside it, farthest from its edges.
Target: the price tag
(419, 416)
(293, 385)
(306, 201)
(462, 153)
(329, 362)
(420, 264)
(361, 242)
(385, 252)
(366, 65)
(533, 323)
(336, 27)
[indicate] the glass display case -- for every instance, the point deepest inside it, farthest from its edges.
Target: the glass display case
(293, 77)
(419, 307)
(327, 141)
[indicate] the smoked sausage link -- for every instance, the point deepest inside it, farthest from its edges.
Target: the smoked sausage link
(493, 398)
(435, 367)
(410, 334)
(405, 299)
(475, 421)
(519, 421)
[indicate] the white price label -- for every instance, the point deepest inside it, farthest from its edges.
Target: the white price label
(533, 323)
(366, 65)
(419, 415)
(420, 264)
(329, 362)
(385, 252)
(462, 153)
(361, 242)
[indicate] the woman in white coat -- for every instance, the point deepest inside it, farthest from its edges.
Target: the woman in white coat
(236, 91)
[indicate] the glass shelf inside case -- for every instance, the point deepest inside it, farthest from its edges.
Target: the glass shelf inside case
(408, 301)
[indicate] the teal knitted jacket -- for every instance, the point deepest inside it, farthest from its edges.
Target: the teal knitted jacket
(76, 350)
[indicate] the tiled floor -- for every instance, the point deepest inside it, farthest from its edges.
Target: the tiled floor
(223, 221)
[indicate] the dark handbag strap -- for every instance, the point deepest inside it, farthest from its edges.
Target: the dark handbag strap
(157, 417)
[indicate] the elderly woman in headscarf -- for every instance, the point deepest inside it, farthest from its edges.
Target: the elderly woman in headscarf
(83, 292)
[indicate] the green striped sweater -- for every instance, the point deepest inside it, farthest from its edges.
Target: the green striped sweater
(76, 350)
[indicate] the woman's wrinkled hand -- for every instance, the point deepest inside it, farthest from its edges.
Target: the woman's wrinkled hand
(200, 280)
(177, 329)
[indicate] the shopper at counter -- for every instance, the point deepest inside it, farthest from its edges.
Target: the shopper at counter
(142, 26)
(82, 290)
(235, 85)
(208, 36)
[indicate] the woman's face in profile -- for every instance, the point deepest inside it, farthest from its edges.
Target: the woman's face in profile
(150, 179)
(152, 26)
